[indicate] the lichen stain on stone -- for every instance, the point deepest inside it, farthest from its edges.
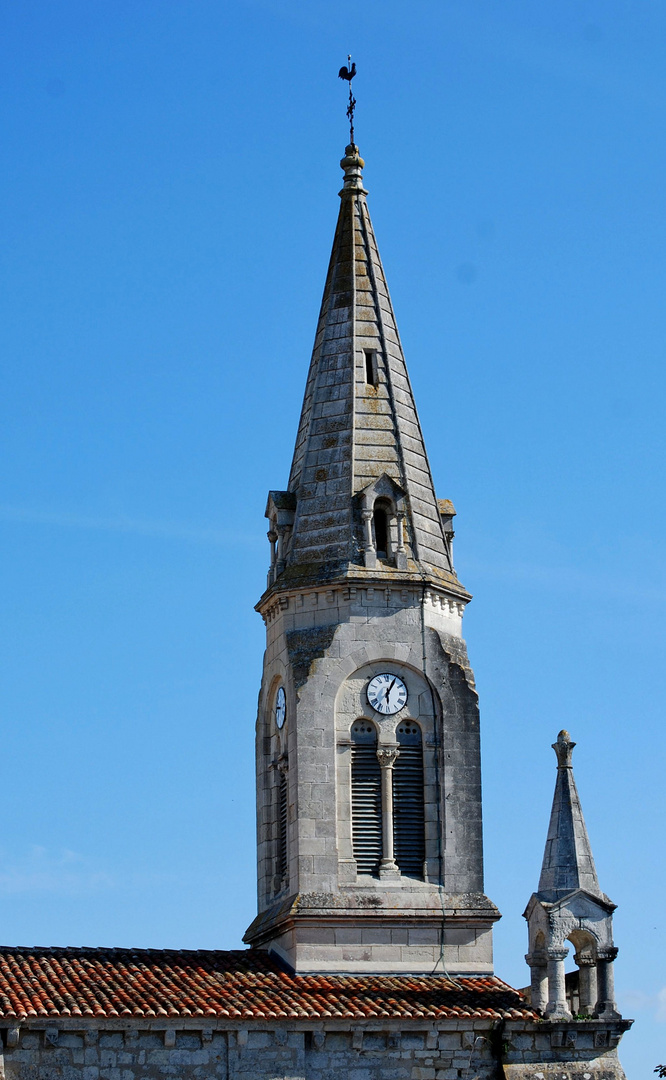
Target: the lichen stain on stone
(305, 646)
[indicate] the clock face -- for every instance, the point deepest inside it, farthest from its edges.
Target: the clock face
(387, 694)
(280, 707)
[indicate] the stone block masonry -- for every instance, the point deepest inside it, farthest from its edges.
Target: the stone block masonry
(135, 1049)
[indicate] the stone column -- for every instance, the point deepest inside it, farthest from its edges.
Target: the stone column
(606, 1009)
(272, 538)
(557, 1008)
(448, 535)
(539, 982)
(368, 545)
(281, 562)
(587, 983)
(400, 553)
(387, 756)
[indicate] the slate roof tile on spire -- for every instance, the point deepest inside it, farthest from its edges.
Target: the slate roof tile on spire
(353, 430)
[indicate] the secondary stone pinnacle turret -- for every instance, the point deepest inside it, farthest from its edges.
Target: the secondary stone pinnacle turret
(567, 860)
(569, 907)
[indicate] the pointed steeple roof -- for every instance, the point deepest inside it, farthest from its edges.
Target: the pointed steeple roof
(359, 424)
(567, 860)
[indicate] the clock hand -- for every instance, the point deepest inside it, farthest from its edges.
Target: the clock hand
(384, 696)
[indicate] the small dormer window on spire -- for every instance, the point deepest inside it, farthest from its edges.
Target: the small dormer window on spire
(383, 522)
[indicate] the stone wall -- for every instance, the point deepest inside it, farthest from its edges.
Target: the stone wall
(454, 1050)
(125, 1052)
(537, 1050)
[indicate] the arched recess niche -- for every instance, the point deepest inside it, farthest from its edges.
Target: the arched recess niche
(423, 707)
(273, 787)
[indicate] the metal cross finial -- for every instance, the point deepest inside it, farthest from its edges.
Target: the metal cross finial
(348, 74)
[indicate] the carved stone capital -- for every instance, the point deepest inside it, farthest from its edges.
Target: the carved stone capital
(386, 755)
(536, 959)
(609, 953)
(557, 954)
(585, 961)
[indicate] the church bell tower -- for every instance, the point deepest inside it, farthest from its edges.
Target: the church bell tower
(367, 749)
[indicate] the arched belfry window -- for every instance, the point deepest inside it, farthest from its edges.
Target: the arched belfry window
(408, 808)
(366, 785)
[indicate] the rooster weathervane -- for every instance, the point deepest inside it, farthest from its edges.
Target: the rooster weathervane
(348, 73)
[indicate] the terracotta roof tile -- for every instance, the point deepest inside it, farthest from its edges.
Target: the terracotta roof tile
(236, 984)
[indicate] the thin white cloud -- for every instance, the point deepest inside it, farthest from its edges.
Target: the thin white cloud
(42, 871)
(167, 530)
(637, 1001)
(564, 579)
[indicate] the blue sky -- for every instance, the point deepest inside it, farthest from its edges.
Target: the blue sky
(169, 193)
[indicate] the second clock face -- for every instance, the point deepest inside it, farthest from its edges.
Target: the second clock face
(387, 694)
(280, 707)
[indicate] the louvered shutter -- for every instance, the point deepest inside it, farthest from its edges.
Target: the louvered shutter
(282, 825)
(366, 783)
(408, 810)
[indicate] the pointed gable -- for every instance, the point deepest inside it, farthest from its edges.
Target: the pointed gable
(359, 420)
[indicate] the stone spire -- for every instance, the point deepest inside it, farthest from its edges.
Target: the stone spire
(567, 860)
(359, 437)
